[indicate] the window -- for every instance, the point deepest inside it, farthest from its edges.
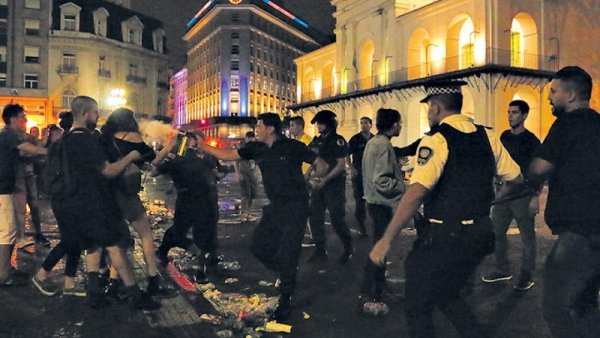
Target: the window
(32, 27)
(133, 69)
(32, 55)
(31, 81)
(102, 62)
(69, 62)
(33, 4)
(3, 2)
(515, 49)
(2, 79)
(100, 16)
(67, 97)
(235, 35)
(70, 23)
(235, 49)
(468, 55)
(235, 17)
(2, 53)
(235, 65)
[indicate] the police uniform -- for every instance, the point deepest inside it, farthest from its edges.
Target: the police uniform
(277, 239)
(357, 146)
(331, 196)
(457, 165)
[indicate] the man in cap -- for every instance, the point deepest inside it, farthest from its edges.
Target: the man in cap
(277, 239)
(330, 191)
(454, 179)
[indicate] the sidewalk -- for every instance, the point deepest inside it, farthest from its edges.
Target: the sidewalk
(327, 293)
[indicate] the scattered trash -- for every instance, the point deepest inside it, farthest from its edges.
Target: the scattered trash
(274, 326)
(322, 271)
(210, 318)
(265, 283)
(376, 308)
(231, 280)
(180, 279)
(206, 286)
(79, 323)
(225, 334)
(305, 315)
(229, 265)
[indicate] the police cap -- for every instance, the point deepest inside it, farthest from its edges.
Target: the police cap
(434, 88)
(324, 116)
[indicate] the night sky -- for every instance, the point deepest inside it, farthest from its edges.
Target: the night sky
(175, 14)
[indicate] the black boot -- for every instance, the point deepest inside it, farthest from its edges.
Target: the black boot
(362, 229)
(114, 290)
(94, 296)
(139, 300)
(157, 289)
(348, 251)
(284, 309)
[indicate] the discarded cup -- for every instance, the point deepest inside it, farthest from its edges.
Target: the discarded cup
(376, 308)
(229, 265)
(274, 326)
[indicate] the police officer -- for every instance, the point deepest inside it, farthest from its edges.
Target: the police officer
(569, 156)
(356, 147)
(454, 179)
(277, 239)
(329, 193)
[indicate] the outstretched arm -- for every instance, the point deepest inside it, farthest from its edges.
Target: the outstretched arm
(221, 154)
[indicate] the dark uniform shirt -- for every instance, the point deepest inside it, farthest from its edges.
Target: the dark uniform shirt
(356, 148)
(573, 148)
(191, 174)
(520, 147)
(281, 167)
(9, 159)
(330, 148)
(116, 148)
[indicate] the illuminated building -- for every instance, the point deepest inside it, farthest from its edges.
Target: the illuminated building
(24, 27)
(178, 98)
(240, 59)
(386, 50)
(110, 53)
(52, 51)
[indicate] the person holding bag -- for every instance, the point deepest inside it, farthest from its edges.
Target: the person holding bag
(120, 135)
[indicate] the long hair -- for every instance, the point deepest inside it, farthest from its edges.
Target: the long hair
(119, 120)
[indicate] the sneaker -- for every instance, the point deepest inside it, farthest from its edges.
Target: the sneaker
(42, 240)
(524, 285)
(74, 292)
(318, 256)
(308, 242)
(46, 287)
(496, 277)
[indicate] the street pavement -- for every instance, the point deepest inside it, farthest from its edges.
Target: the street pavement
(325, 305)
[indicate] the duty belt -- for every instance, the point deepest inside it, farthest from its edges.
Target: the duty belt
(463, 222)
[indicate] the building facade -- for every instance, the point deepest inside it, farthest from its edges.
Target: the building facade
(108, 52)
(385, 50)
(52, 51)
(240, 59)
(178, 98)
(24, 30)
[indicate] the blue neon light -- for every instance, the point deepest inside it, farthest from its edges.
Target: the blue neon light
(286, 13)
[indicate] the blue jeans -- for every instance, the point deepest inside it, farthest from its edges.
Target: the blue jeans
(502, 215)
(572, 269)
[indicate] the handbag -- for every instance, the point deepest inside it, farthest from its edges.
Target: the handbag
(129, 182)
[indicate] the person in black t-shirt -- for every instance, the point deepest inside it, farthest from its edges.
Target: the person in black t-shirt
(521, 144)
(277, 239)
(90, 212)
(356, 147)
(570, 157)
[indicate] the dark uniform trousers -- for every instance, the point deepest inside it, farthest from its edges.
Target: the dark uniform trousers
(571, 283)
(277, 240)
(442, 259)
(201, 214)
(358, 191)
(333, 198)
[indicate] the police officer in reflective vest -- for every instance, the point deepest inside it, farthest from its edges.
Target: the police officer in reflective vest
(329, 192)
(453, 178)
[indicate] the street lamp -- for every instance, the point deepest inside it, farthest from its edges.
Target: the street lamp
(116, 98)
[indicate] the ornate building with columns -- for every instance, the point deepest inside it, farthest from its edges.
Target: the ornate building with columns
(386, 49)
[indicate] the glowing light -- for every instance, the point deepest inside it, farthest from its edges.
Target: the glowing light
(116, 98)
(31, 124)
(286, 13)
(202, 10)
(480, 51)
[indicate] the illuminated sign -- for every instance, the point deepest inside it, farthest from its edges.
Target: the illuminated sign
(202, 10)
(286, 13)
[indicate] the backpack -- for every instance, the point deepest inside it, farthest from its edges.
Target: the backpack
(57, 173)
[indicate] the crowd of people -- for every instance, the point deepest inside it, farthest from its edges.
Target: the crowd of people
(466, 187)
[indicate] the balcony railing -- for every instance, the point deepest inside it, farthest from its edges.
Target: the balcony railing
(68, 69)
(493, 56)
(136, 79)
(104, 73)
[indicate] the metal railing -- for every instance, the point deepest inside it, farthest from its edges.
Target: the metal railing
(68, 69)
(136, 79)
(493, 56)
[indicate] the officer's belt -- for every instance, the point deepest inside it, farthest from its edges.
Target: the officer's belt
(463, 222)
